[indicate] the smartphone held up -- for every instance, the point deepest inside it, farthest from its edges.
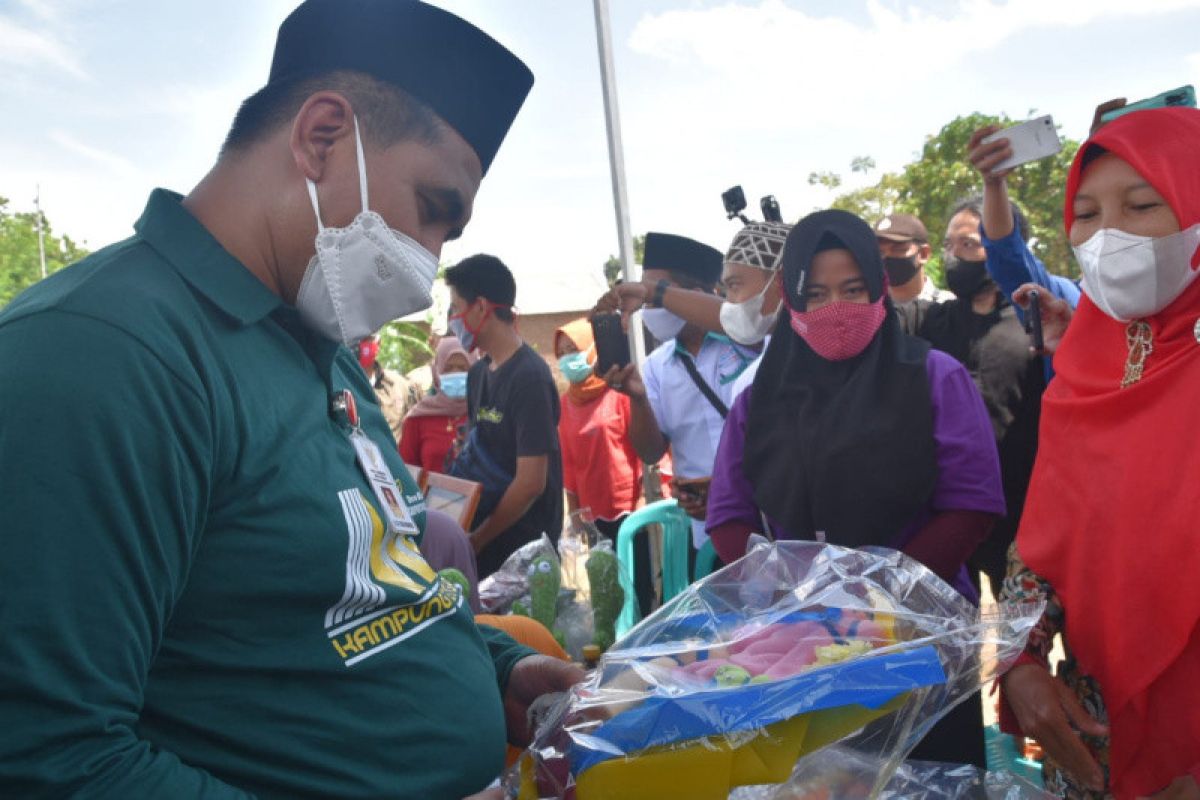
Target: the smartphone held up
(1030, 141)
(612, 344)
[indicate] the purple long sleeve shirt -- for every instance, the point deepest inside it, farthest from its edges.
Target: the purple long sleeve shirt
(967, 461)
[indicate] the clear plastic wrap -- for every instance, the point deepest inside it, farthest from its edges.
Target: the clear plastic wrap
(792, 648)
(577, 597)
(510, 583)
(840, 773)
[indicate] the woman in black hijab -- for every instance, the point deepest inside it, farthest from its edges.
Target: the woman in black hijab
(855, 433)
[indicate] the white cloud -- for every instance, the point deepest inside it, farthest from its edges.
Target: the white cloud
(729, 48)
(22, 47)
(113, 163)
(45, 10)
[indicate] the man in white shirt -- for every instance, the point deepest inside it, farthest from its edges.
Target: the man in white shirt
(684, 390)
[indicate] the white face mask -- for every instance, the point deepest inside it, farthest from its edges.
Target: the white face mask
(744, 322)
(364, 275)
(662, 323)
(1132, 277)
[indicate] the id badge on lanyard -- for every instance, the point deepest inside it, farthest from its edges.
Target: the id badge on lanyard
(370, 461)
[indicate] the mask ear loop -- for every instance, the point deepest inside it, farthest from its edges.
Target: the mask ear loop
(362, 166)
(362, 179)
(312, 196)
(762, 295)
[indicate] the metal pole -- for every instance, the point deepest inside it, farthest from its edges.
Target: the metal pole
(616, 163)
(37, 204)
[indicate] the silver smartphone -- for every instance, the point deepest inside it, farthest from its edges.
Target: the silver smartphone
(1030, 141)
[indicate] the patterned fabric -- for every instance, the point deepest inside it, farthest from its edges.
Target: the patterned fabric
(759, 244)
(839, 330)
(397, 396)
(1023, 584)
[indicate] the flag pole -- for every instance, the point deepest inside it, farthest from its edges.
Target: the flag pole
(37, 205)
(616, 162)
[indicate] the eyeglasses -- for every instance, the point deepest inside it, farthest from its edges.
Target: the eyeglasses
(962, 243)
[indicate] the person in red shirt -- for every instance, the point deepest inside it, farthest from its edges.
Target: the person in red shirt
(430, 428)
(601, 470)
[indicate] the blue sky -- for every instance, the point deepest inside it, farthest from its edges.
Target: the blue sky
(106, 99)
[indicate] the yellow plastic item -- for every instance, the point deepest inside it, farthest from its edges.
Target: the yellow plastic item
(709, 769)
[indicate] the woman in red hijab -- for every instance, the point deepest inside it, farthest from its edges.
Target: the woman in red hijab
(1111, 530)
(601, 471)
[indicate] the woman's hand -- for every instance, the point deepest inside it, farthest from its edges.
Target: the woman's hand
(1047, 709)
(1101, 110)
(1056, 315)
(984, 156)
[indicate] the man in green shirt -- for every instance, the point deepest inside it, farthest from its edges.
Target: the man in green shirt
(211, 581)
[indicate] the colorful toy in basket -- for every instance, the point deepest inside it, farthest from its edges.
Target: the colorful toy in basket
(695, 720)
(788, 650)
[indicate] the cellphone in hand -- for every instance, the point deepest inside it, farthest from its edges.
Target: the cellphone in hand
(1183, 96)
(1031, 140)
(1035, 320)
(612, 345)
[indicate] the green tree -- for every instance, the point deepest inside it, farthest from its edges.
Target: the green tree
(612, 267)
(934, 183)
(404, 346)
(20, 265)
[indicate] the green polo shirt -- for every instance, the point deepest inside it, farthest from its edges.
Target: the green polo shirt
(198, 597)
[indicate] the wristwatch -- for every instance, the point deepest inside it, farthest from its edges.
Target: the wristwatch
(660, 290)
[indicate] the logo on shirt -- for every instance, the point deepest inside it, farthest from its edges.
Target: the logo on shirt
(493, 415)
(362, 623)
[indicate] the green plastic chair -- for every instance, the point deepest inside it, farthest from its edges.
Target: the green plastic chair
(1002, 755)
(706, 560)
(677, 532)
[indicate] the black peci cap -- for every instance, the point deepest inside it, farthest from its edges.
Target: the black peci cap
(681, 254)
(468, 78)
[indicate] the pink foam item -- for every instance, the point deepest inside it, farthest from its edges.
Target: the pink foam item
(755, 665)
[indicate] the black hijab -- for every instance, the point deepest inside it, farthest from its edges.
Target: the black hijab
(844, 447)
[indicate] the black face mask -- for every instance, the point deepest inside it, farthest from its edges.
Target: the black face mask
(900, 270)
(966, 278)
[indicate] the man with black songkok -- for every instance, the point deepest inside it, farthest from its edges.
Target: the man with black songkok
(212, 582)
(685, 388)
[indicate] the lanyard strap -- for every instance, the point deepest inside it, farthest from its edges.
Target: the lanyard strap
(702, 385)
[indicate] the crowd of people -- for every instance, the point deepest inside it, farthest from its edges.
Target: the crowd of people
(220, 579)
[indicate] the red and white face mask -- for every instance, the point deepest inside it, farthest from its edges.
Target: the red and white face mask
(839, 330)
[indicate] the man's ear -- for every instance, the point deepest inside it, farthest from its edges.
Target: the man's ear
(325, 118)
(923, 254)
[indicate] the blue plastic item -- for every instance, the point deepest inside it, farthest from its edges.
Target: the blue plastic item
(869, 682)
(677, 532)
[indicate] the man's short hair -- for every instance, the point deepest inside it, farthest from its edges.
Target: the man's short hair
(485, 276)
(686, 280)
(974, 204)
(386, 113)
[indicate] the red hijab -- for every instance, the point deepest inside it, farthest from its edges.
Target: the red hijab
(1112, 518)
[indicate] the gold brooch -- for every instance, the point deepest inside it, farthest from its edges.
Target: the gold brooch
(1141, 345)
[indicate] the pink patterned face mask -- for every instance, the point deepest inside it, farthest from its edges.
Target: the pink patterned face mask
(839, 330)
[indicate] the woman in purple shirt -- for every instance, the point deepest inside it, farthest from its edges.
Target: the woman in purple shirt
(857, 434)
